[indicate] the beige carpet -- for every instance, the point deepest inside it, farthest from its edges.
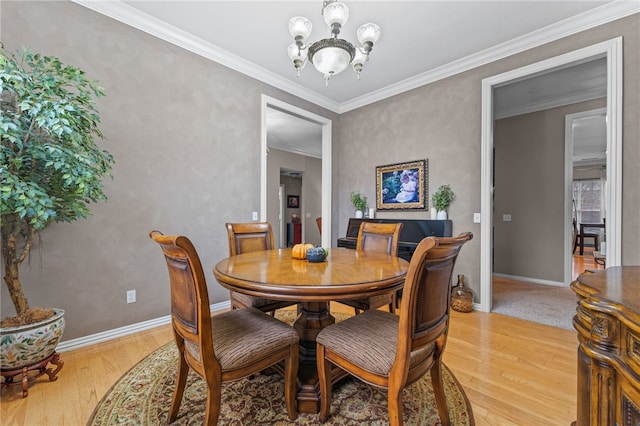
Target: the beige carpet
(143, 396)
(539, 303)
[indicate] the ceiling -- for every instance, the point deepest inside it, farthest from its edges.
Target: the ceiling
(421, 41)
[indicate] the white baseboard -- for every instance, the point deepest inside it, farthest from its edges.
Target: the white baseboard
(530, 280)
(107, 335)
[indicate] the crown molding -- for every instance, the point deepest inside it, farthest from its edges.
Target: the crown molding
(590, 19)
(135, 18)
(568, 99)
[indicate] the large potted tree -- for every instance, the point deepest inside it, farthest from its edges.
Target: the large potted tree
(52, 170)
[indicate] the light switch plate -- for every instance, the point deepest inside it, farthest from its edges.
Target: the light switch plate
(506, 218)
(476, 218)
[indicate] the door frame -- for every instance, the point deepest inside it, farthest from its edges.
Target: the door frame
(568, 175)
(268, 101)
(612, 50)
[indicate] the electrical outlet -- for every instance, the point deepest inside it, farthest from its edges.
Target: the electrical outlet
(506, 218)
(131, 296)
(254, 216)
(476, 218)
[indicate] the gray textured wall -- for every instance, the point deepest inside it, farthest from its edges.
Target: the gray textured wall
(185, 133)
(529, 185)
(441, 121)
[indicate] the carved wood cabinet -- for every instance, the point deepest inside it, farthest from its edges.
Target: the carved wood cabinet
(608, 323)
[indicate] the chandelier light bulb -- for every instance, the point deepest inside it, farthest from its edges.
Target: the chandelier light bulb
(335, 16)
(358, 62)
(368, 35)
(300, 28)
(298, 56)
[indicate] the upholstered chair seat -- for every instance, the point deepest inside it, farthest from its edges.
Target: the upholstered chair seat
(370, 341)
(243, 337)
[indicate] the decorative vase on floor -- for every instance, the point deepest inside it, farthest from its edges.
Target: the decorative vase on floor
(461, 297)
(442, 215)
(28, 344)
(25, 351)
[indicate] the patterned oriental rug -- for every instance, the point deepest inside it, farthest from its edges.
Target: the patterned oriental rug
(142, 396)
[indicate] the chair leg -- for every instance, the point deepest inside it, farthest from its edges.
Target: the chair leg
(290, 381)
(214, 400)
(324, 376)
(181, 381)
(438, 390)
(395, 406)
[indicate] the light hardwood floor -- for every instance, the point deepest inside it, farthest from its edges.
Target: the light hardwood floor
(585, 261)
(514, 372)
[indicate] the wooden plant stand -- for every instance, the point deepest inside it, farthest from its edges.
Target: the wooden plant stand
(40, 367)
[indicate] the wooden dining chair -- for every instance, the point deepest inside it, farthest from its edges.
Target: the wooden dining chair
(319, 223)
(223, 347)
(380, 238)
(245, 238)
(393, 351)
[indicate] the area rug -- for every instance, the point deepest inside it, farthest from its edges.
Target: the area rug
(142, 396)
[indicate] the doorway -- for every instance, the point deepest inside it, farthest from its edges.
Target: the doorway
(269, 206)
(612, 51)
(586, 164)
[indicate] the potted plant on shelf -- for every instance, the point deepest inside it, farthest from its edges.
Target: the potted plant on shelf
(441, 200)
(359, 202)
(51, 171)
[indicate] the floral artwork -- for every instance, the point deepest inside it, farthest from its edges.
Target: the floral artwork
(402, 186)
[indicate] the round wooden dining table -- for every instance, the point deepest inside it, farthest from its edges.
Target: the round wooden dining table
(345, 274)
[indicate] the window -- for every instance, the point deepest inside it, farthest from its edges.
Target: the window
(588, 201)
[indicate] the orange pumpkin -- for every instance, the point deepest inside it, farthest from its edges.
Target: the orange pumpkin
(299, 251)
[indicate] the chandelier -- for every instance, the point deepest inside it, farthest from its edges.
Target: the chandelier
(331, 55)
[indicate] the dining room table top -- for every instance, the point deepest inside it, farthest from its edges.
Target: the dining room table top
(344, 274)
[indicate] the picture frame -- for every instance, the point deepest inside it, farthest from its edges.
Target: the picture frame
(402, 186)
(293, 201)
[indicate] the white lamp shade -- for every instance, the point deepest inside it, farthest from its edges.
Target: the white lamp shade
(360, 58)
(300, 26)
(368, 33)
(295, 53)
(336, 13)
(331, 60)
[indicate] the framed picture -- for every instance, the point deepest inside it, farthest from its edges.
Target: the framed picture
(402, 186)
(293, 201)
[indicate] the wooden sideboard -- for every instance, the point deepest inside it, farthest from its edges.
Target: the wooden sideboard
(608, 323)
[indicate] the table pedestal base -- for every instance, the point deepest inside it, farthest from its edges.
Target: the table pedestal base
(313, 317)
